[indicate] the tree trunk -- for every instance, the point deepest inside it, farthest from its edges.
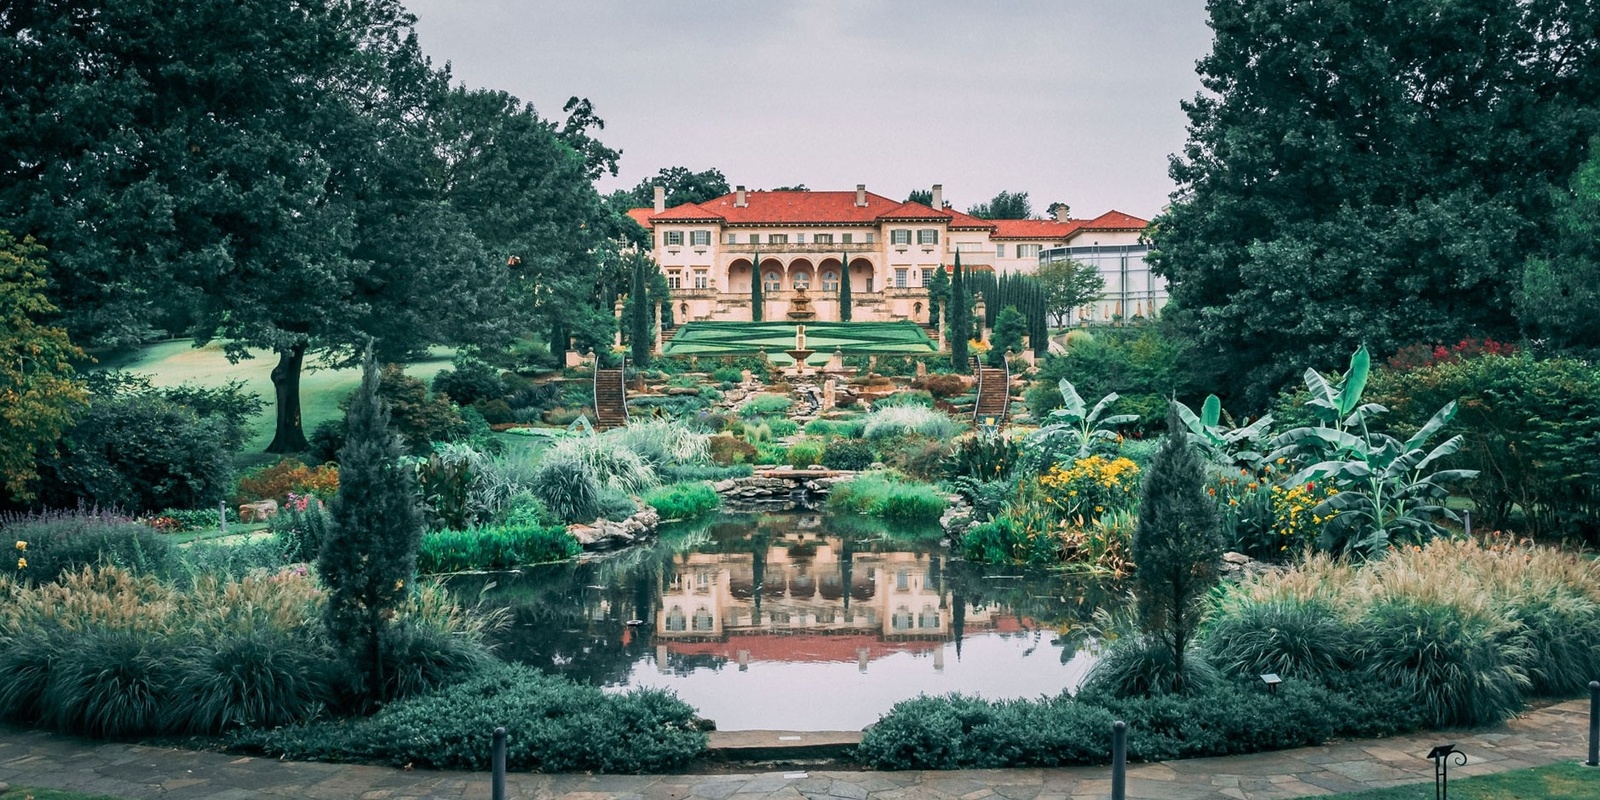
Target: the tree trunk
(290, 434)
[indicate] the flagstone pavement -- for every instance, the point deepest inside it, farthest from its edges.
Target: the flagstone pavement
(1543, 736)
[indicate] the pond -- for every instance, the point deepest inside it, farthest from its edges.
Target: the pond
(797, 620)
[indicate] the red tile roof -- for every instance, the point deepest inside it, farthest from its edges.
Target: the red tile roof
(1035, 229)
(641, 216)
(1115, 220)
(960, 221)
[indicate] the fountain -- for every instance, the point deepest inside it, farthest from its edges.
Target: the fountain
(800, 306)
(800, 352)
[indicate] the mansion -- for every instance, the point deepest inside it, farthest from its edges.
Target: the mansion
(801, 244)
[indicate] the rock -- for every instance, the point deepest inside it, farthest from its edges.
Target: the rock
(586, 535)
(258, 512)
(723, 487)
(1236, 558)
(683, 390)
(815, 468)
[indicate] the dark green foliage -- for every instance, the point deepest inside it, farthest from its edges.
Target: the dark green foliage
(1531, 427)
(1005, 205)
(727, 375)
(369, 557)
(256, 679)
(301, 532)
(1022, 292)
(845, 303)
(938, 294)
(1561, 287)
(1294, 639)
(757, 303)
(1009, 328)
(905, 397)
(686, 473)
(615, 505)
(958, 320)
(419, 419)
(224, 561)
(851, 454)
(469, 380)
(422, 658)
(639, 314)
(552, 725)
(883, 496)
(1144, 365)
(683, 500)
(1462, 668)
(568, 488)
(1142, 665)
(805, 453)
(1562, 633)
(499, 547)
(1350, 178)
(326, 441)
(958, 732)
(139, 450)
(109, 684)
(985, 457)
(1177, 546)
(68, 541)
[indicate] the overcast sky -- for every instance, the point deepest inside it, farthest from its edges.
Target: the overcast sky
(1071, 100)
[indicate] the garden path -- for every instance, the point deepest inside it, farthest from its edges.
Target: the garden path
(1543, 736)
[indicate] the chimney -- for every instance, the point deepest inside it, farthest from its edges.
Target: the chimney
(938, 197)
(661, 199)
(861, 195)
(740, 199)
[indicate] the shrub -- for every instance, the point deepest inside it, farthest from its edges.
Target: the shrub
(1288, 637)
(805, 452)
(638, 731)
(727, 375)
(683, 500)
(419, 419)
(193, 519)
(616, 505)
(609, 459)
(1464, 668)
(1091, 486)
(109, 684)
(783, 427)
(919, 457)
(492, 548)
(255, 679)
(851, 454)
(985, 456)
(1141, 665)
(848, 428)
(944, 386)
(659, 442)
(567, 487)
(55, 543)
(765, 405)
(301, 530)
(469, 381)
(276, 481)
(910, 420)
(906, 398)
(882, 496)
(729, 450)
(767, 453)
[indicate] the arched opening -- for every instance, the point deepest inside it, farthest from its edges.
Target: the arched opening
(800, 272)
(739, 276)
(861, 276)
(828, 272)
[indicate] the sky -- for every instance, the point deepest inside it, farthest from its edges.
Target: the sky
(1074, 101)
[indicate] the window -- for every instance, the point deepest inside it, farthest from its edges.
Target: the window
(846, 238)
(830, 281)
(999, 251)
(733, 238)
(900, 278)
(701, 280)
(672, 238)
(927, 275)
(755, 238)
(674, 279)
(700, 238)
(868, 238)
(900, 236)
(799, 238)
(928, 236)
(771, 282)
(824, 238)
(777, 238)
(802, 280)
(1027, 251)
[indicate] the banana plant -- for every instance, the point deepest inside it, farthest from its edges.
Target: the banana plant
(1077, 426)
(1386, 491)
(1223, 446)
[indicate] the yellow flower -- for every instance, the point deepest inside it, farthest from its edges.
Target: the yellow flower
(21, 545)
(22, 563)
(398, 585)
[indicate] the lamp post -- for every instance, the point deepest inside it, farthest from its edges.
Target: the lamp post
(1441, 756)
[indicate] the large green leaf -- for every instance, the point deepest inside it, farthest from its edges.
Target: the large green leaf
(1211, 412)
(1101, 406)
(1440, 419)
(1355, 381)
(1070, 401)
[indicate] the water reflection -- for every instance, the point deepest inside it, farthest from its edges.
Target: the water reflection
(801, 621)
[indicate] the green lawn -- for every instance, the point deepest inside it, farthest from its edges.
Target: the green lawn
(747, 338)
(21, 792)
(1555, 782)
(172, 363)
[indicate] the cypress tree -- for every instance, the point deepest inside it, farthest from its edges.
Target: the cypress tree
(844, 292)
(756, 301)
(369, 557)
(639, 322)
(938, 295)
(1009, 326)
(1177, 545)
(959, 329)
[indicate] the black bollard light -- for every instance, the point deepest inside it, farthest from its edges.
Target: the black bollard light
(497, 786)
(1594, 725)
(1440, 756)
(1119, 760)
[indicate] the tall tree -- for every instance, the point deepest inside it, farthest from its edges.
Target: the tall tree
(39, 394)
(938, 294)
(1068, 284)
(1177, 545)
(1005, 205)
(923, 196)
(757, 303)
(845, 311)
(683, 185)
(1369, 171)
(958, 324)
(1009, 328)
(1561, 287)
(368, 561)
(639, 317)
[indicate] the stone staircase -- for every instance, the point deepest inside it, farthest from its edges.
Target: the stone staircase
(994, 394)
(610, 399)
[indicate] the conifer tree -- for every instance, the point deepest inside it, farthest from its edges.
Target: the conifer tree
(1177, 545)
(959, 329)
(756, 301)
(938, 294)
(369, 557)
(844, 291)
(639, 322)
(1009, 327)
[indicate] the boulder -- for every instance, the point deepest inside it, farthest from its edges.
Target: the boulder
(258, 512)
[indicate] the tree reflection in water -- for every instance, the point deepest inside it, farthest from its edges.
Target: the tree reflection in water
(803, 586)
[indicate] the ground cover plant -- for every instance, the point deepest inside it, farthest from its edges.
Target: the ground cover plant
(552, 725)
(683, 500)
(882, 494)
(1554, 782)
(496, 547)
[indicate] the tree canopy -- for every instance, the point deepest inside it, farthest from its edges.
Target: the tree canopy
(1368, 171)
(1068, 284)
(1005, 205)
(39, 394)
(1561, 287)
